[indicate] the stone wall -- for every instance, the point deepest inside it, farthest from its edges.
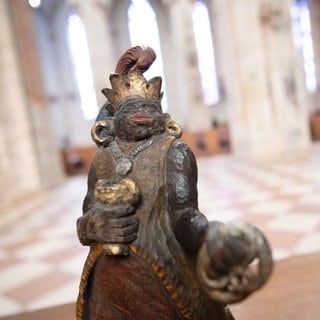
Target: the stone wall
(29, 158)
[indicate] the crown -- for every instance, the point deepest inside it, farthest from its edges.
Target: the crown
(132, 85)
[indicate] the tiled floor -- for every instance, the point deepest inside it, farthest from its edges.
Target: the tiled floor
(41, 258)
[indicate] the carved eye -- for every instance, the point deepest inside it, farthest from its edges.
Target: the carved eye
(110, 107)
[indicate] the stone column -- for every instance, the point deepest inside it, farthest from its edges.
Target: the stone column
(94, 16)
(18, 160)
(220, 108)
(189, 110)
(314, 6)
(46, 151)
(264, 89)
(70, 126)
(173, 93)
(116, 21)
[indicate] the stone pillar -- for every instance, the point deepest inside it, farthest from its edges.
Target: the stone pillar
(94, 16)
(71, 129)
(45, 149)
(173, 93)
(264, 88)
(189, 110)
(19, 173)
(220, 108)
(116, 21)
(314, 6)
(18, 159)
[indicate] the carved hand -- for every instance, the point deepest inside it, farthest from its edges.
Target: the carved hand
(234, 260)
(108, 224)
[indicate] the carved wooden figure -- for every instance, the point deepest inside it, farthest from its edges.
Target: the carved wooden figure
(153, 254)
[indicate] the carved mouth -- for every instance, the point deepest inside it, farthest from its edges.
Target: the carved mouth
(141, 119)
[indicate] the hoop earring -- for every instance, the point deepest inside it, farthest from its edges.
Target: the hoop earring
(102, 132)
(173, 128)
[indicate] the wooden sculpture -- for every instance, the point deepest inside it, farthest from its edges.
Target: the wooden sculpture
(153, 254)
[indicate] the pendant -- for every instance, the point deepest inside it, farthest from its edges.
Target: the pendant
(123, 167)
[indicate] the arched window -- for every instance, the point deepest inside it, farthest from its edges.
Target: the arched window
(143, 30)
(203, 39)
(301, 28)
(82, 66)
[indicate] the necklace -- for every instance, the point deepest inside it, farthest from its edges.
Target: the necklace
(124, 162)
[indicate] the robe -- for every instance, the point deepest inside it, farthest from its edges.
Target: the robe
(157, 280)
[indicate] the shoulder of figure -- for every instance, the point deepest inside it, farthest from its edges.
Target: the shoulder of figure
(181, 147)
(180, 155)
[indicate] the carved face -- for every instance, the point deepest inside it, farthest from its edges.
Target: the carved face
(138, 119)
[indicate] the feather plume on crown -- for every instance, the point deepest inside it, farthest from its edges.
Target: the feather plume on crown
(128, 81)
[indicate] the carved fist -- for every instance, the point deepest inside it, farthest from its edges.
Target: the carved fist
(234, 260)
(108, 224)
(111, 220)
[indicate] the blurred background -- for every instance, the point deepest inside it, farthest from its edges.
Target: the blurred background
(240, 76)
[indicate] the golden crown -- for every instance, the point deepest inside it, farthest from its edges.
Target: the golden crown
(132, 85)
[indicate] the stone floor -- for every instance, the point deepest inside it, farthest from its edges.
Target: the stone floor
(41, 258)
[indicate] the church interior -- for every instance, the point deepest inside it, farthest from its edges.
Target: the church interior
(242, 78)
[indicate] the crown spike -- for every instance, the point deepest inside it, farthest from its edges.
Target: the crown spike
(132, 85)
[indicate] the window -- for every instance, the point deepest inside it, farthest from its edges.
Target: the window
(302, 38)
(203, 39)
(81, 59)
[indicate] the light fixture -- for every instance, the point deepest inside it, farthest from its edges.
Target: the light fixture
(35, 4)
